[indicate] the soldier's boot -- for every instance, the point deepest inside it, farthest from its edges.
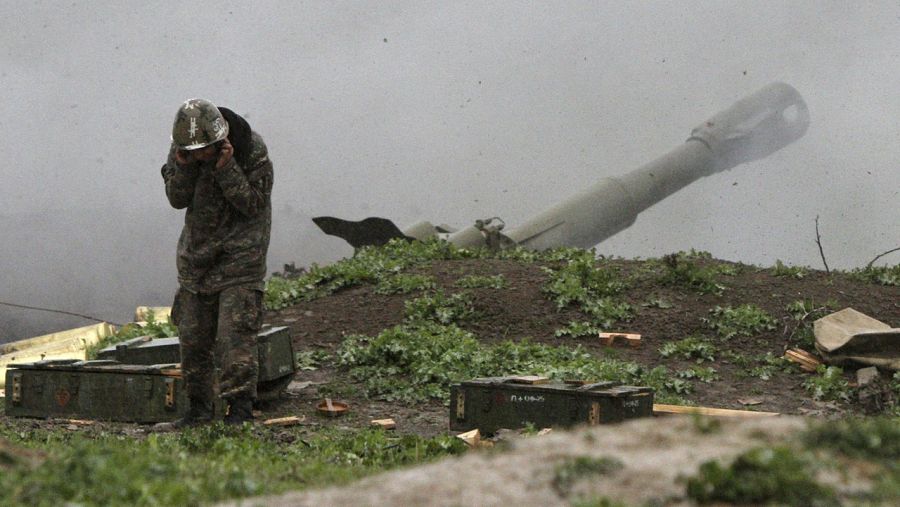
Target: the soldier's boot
(198, 414)
(240, 410)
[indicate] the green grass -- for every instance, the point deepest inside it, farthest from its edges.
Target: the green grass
(441, 308)
(760, 476)
(154, 328)
(805, 312)
(413, 363)
(482, 282)
(582, 279)
(579, 468)
(203, 465)
(745, 320)
(682, 269)
(828, 384)
(882, 275)
(373, 265)
(701, 373)
(692, 347)
(795, 272)
(404, 283)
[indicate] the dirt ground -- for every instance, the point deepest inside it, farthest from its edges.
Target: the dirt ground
(521, 310)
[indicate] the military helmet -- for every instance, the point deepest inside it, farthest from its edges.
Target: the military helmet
(198, 124)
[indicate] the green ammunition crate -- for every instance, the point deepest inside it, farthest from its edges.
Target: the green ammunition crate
(276, 357)
(102, 390)
(489, 404)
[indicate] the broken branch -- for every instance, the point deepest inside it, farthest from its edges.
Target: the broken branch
(869, 265)
(819, 242)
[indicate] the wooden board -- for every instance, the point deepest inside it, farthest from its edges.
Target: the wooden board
(807, 361)
(290, 420)
(387, 424)
(662, 409)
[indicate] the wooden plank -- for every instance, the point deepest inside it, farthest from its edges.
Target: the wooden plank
(807, 361)
(387, 424)
(290, 420)
(662, 409)
(471, 438)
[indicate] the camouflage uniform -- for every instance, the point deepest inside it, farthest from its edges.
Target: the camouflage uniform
(221, 266)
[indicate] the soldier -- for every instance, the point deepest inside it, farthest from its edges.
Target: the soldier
(219, 169)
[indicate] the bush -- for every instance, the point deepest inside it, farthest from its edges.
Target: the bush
(683, 270)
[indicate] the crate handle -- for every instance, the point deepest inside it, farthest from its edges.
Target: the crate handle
(594, 418)
(170, 393)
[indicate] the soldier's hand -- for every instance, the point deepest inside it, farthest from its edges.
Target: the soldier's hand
(183, 157)
(225, 154)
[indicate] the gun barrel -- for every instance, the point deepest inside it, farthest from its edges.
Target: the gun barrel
(752, 128)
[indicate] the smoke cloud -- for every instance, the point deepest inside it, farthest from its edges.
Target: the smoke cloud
(444, 111)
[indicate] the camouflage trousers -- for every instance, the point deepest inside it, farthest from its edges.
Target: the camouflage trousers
(218, 334)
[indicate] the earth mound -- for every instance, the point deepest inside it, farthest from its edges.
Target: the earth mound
(389, 329)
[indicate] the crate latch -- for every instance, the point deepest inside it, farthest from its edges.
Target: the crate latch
(594, 418)
(460, 405)
(170, 392)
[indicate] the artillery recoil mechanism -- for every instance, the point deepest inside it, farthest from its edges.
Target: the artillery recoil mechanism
(752, 128)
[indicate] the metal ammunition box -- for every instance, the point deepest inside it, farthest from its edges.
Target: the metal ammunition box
(276, 357)
(102, 390)
(489, 404)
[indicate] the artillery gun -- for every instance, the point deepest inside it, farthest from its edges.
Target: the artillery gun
(753, 128)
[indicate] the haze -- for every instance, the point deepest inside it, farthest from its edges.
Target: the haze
(445, 111)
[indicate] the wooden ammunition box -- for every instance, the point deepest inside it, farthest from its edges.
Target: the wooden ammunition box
(274, 345)
(103, 390)
(489, 404)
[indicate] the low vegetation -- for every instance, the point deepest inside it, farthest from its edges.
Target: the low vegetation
(760, 476)
(692, 347)
(417, 362)
(684, 269)
(153, 328)
(828, 384)
(202, 465)
(745, 320)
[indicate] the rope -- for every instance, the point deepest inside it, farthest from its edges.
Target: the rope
(63, 312)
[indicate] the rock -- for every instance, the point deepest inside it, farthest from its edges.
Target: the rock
(865, 376)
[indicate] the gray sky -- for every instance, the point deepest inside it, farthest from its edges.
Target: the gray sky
(445, 111)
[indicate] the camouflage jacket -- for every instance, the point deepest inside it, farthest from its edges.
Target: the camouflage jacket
(228, 220)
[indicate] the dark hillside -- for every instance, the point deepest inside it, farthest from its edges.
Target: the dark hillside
(713, 332)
